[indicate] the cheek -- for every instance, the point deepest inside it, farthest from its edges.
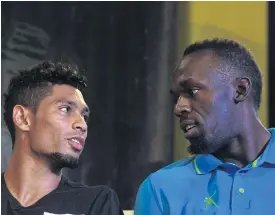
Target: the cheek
(48, 134)
(204, 106)
(221, 109)
(215, 108)
(220, 114)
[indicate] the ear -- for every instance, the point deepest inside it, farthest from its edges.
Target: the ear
(22, 117)
(243, 87)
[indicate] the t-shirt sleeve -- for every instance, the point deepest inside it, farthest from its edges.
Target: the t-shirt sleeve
(107, 204)
(146, 200)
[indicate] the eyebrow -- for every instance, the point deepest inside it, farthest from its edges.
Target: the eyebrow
(85, 110)
(192, 81)
(185, 82)
(181, 83)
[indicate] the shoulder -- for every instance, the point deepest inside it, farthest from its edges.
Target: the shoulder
(165, 185)
(99, 199)
(99, 190)
(178, 174)
(180, 170)
(92, 200)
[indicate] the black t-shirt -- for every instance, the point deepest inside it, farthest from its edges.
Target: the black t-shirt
(68, 198)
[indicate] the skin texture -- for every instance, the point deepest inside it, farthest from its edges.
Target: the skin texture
(43, 144)
(221, 107)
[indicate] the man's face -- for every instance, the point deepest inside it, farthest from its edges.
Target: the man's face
(59, 128)
(203, 102)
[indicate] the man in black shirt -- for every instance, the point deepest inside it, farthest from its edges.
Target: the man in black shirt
(47, 116)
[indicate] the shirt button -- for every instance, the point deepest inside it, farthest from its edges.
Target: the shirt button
(241, 190)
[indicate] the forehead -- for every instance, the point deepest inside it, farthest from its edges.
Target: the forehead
(199, 66)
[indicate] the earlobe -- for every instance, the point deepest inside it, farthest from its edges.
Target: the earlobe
(21, 117)
(243, 87)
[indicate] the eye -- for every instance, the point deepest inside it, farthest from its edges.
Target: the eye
(86, 118)
(192, 92)
(65, 109)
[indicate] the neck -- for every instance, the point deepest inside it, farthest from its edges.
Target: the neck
(28, 178)
(248, 145)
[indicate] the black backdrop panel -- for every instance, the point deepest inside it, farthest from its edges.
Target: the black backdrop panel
(128, 51)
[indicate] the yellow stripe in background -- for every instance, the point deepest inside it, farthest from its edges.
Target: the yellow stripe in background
(245, 22)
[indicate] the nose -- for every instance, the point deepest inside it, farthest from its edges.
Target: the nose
(182, 106)
(80, 124)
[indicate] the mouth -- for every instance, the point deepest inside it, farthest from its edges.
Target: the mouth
(77, 143)
(188, 127)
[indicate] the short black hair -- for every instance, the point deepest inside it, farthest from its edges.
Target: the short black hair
(31, 86)
(236, 55)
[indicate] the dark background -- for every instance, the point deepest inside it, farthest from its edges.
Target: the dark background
(128, 52)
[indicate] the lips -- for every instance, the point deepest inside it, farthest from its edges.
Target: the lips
(187, 125)
(190, 128)
(77, 142)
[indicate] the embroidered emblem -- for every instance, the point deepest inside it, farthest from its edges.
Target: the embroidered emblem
(209, 201)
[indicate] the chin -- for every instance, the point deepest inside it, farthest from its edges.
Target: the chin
(201, 146)
(209, 145)
(197, 149)
(58, 161)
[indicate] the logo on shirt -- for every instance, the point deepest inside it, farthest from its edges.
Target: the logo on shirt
(209, 201)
